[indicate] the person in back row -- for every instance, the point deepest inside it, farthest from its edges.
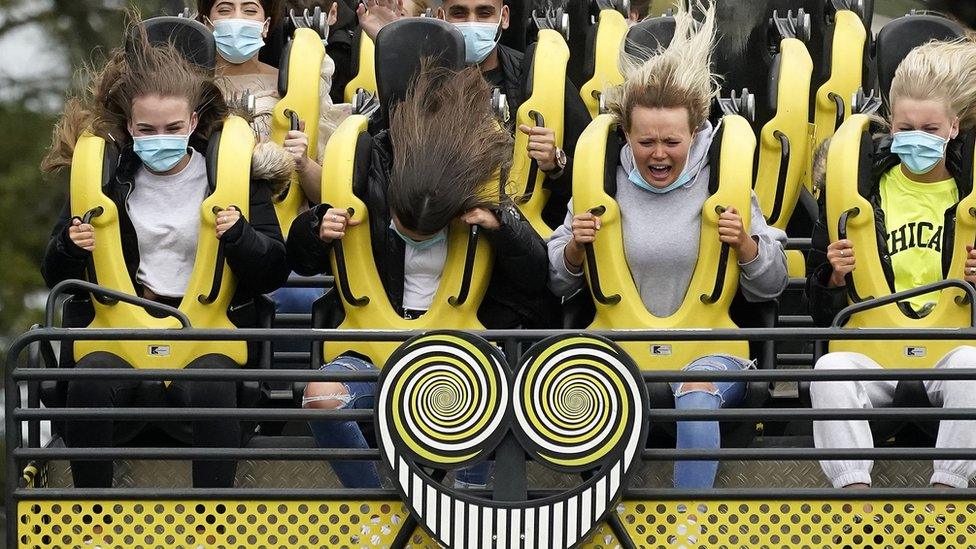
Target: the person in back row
(482, 22)
(918, 178)
(240, 28)
(412, 196)
(161, 111)
(662, 183)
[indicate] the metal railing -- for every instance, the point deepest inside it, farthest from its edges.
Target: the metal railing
(512, 342)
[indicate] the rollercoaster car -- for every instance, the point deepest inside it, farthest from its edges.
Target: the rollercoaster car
(569, 416)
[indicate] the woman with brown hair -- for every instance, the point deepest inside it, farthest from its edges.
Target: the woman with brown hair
(160, 111)
(430, 168)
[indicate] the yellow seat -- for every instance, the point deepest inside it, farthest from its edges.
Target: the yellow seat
(544, 107)
(611, 28)
(850, 215)
(300, 100)
(716, 277)
(211, 284)
(364, 67)
(463, 283)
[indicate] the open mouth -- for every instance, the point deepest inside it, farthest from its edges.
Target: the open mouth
(660, 172)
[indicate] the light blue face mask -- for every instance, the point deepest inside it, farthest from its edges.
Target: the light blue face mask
(637, 179)
(161, 152)
(441, 236)
(479, 40)
(919, 151)
(238, 39)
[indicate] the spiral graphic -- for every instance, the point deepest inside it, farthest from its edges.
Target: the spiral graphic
(445, 398)
(577, 401)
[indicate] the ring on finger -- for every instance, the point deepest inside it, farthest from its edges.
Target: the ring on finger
(843, 253)
(334, 218)
(971, 270)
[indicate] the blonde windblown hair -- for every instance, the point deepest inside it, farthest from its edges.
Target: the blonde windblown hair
(940, 71)
(677, 76)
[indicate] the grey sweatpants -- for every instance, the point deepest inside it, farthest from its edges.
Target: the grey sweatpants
(870, 394)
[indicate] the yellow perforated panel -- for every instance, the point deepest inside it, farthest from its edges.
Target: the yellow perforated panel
(211, 524)
(801, 524)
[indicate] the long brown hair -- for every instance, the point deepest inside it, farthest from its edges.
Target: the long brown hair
(140, 70)
(447, 145)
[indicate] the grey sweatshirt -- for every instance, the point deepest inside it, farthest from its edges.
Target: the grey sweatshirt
(661, 238)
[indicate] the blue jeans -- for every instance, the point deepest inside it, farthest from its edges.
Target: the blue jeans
(295, 300)
(347, 434)
(704, 434)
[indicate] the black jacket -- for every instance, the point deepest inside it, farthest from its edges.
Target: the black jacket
(254, 248)
(517, 294)
(825, 302)
(515, 84)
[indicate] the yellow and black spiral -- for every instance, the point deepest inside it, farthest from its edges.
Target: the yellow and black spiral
(445, 398)
(577, 402)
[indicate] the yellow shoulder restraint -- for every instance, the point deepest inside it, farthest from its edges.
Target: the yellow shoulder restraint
(365, 77)
(463, 283)
(716, 277)
(300, 101)
(205, 301)
(610, 33)
(834, 97)
(851, 216)
(545, 107)
(783, 143)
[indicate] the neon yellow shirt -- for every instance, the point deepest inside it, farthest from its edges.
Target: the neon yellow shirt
(914, 221)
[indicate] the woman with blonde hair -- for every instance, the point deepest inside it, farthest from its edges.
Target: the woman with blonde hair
(160, 111)
(662, 183)
(918, 177)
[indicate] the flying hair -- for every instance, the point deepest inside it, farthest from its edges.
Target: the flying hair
(139, 70)
(676, 76)
(940, 71)
(447, 146)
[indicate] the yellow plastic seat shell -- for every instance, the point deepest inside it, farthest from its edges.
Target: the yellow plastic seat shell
(548, 100)
(366, 76)
(606, 70)
(376, 313)
(790, 123)
(302, 98)
(846, 76)
(232, 189)
(869, 280)
(734, 189)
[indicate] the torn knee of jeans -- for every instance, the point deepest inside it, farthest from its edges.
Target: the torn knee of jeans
(341, 399)
(696, 387)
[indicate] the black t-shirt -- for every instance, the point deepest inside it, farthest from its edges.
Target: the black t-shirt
(495, 77)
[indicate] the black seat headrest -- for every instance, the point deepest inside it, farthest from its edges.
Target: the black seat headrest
(191, 38)
(902, 35)
(402, 46)
(649, 35)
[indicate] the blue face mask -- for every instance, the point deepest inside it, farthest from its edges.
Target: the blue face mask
(637, 179)
(919, 151)
(238, 39)
(441, 236)
(161, 152)
(479, 40)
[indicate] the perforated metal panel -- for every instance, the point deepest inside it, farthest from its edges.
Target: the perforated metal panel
(211, 524)
(800, 524)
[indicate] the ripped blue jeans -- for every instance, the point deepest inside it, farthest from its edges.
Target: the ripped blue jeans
(705, 434)
(347, 434)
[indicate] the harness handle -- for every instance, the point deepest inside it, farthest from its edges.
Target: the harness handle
(593, 274)
(462, 297)
(839, 105)
(90, 260)
(723, 262)
(875, 302)
(218, 268)
(71, 284)
(784, 169)
(842, 234)
(293, 117)
(540, 121)
(342, 277)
